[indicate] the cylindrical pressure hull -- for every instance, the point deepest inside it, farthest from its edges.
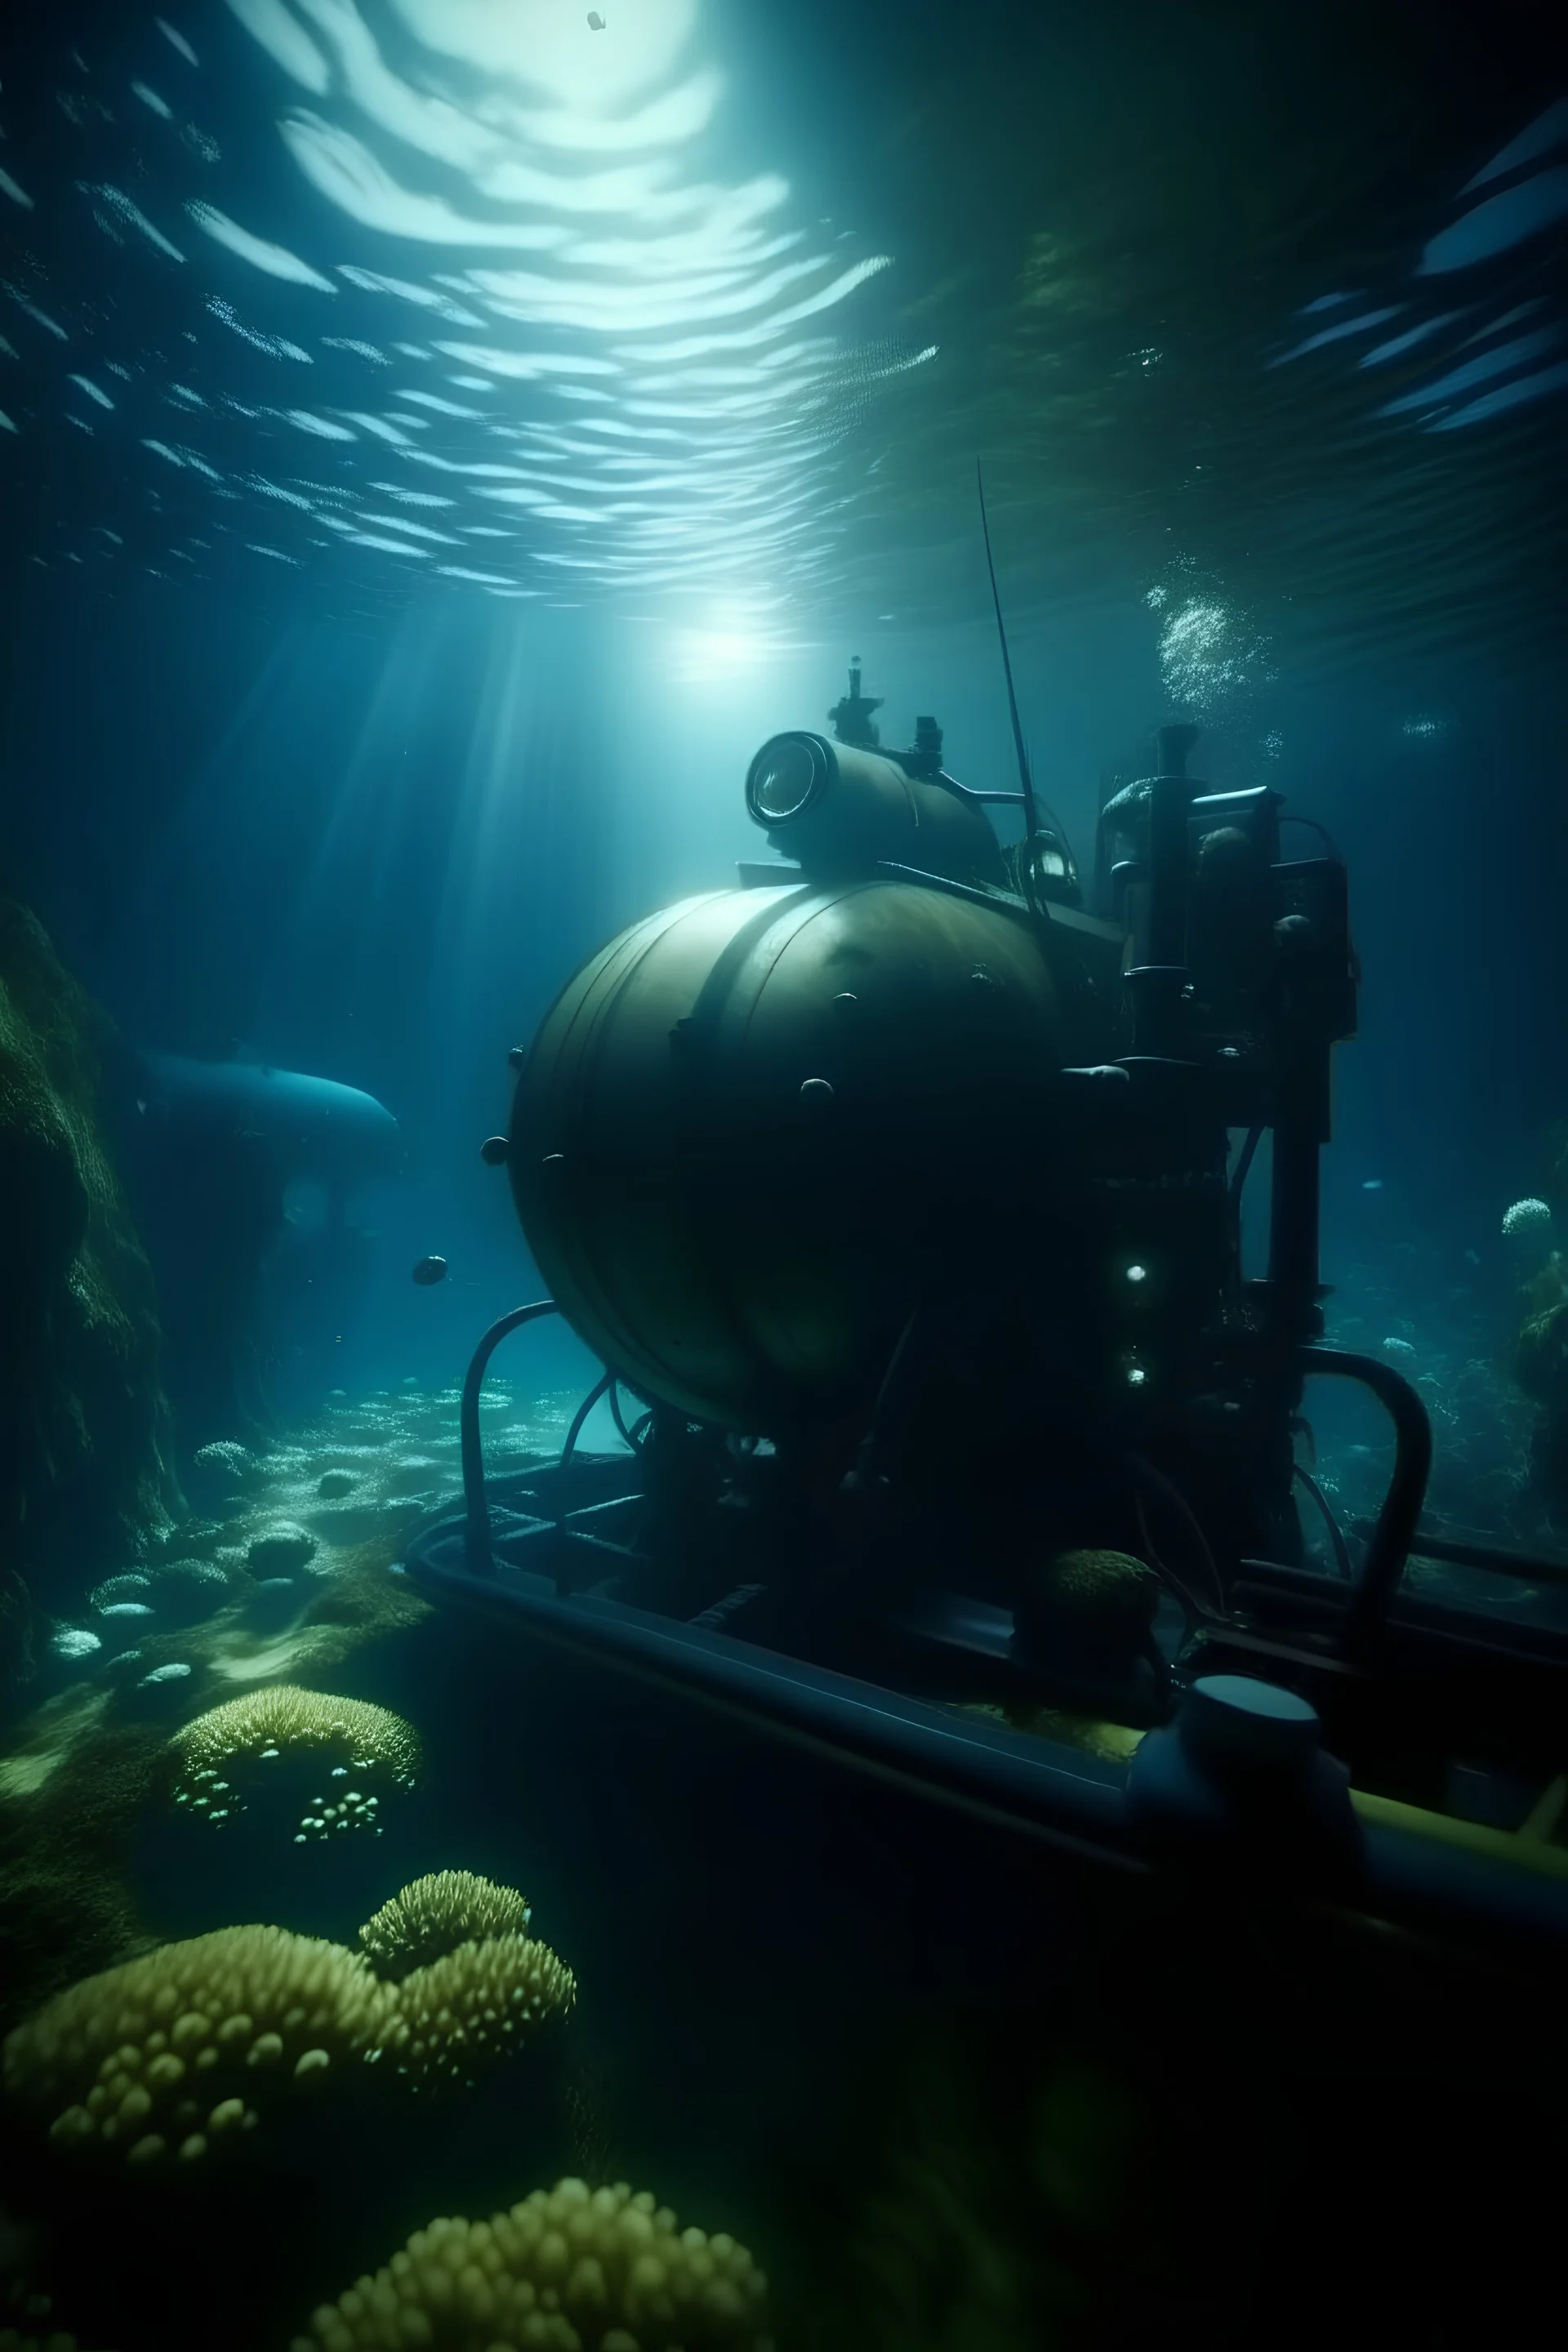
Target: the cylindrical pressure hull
(744, 1123)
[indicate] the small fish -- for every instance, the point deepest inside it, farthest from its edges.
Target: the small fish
(595, 22)
(430, 1270)
(1474, 1256)
(1372, 1184)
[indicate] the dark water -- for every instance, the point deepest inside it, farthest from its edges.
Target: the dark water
(440, 441)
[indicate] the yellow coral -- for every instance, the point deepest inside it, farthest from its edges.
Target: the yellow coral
(569, 2270)
(469, 2008)
(170, 2051)
(185, 2044)
(435, 1915)
(373, 1743)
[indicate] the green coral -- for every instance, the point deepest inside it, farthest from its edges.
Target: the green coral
(190, 2043)
(1099, 1601)
(568, 2269)
(374, 1746)
(434, 1916)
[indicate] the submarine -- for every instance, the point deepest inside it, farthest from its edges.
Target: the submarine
(898, 1189)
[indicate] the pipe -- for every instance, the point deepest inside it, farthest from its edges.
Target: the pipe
(476, 1510)
(1395, 1530)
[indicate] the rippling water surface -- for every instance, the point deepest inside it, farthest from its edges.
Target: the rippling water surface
(1257, 316)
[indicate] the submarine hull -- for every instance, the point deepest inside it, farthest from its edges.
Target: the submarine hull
(749, 1123)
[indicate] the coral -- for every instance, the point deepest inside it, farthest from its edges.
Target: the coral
(569, 2269)
(1099, 1600)
(434, 1916)
(188, 2041)
(171, 2050)
(466, 2008)
(1524, 1215)
(83, 1430)
(374, 1744)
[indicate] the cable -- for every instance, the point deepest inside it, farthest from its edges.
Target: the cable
(1292, 816)
(476, 1554)
(1167, 1576)
(1032, 802)
(1336, 1534)
(1183, 1510)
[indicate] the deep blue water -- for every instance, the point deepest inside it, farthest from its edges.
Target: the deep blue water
(440, 441)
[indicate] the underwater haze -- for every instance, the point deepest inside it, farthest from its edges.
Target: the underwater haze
(440, 442)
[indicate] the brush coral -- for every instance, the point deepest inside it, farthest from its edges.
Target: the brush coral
(189, 2043)
(432, 1916)
(373, 1744)
(469, 2008)
(569, 2270)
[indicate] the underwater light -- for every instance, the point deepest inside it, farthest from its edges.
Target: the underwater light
(787, 775)
(1137, 1273)
(721, 656)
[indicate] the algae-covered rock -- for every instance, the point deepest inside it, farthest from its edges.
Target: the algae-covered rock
(280, 1549)
(221, 1472)
(83, 1425)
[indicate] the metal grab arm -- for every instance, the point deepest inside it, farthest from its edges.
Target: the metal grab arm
(1395, 1526)
(476, 1529)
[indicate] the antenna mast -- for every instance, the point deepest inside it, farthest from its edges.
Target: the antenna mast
(1031, 819)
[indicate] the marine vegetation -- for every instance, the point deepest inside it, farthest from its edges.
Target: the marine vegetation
(465, 2010)
(191, 2043)
(84, 1437)
(351, 1739)
(1096, 1600)
(435, 1915)
(568, 2269)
